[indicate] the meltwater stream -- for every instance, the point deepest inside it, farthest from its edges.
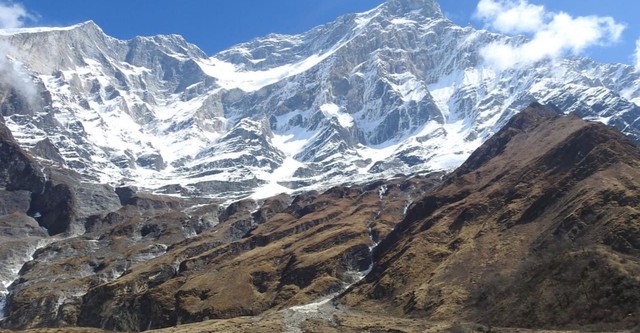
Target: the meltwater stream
(295, 316)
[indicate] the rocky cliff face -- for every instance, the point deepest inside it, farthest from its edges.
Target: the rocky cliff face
(399, 88)
(38, 202)
(537, 228)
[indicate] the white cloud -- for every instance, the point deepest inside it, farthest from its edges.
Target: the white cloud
(13, 74)
(511, 16)
(13, 15)
(637, 55)
(551, 34)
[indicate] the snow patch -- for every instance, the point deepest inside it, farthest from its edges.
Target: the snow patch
(402, 21)
(331, 110)
(406, 208)
(230, 76)
(451, 149)
(631, 94)
(313, 307)
(363, 19)
(381, 193)
(292, 142)
(283, 173)
(442, 92)
(410, 88)
(3, 304)
(13, 268)
(376, 154)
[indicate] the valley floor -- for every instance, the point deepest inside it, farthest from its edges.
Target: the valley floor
(332, 318)
(324, 317)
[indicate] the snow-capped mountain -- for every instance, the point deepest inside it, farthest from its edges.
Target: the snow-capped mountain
(397, 89)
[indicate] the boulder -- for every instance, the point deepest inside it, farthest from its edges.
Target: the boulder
(46, 149)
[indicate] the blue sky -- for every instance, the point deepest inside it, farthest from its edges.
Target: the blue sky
(214, 25)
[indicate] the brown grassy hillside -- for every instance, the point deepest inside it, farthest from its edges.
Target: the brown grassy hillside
(539, 228)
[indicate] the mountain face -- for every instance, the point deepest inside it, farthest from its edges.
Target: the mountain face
(397, 89)
(141, 181)
(160, 261)
(538, 228)
(76, 253)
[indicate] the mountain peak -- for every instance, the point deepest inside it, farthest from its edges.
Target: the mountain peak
(428, 8)
(89, 23)
(86, 26)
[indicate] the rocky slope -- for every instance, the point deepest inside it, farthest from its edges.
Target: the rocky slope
(538, 228)
(122, 164)
(20, 176)
(80, 254)
(546, 207)
(399, 88)
(139, 271)
(40, 205)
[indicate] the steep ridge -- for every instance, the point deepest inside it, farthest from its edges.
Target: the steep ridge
(397, 89)
(538, 228)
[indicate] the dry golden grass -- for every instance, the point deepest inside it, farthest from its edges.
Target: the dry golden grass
(479, 247)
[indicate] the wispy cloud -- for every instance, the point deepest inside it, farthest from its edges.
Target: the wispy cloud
(14, 15)
(551, 34)
(12, 73)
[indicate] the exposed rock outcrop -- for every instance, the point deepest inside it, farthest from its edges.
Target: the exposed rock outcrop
(18, 171)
